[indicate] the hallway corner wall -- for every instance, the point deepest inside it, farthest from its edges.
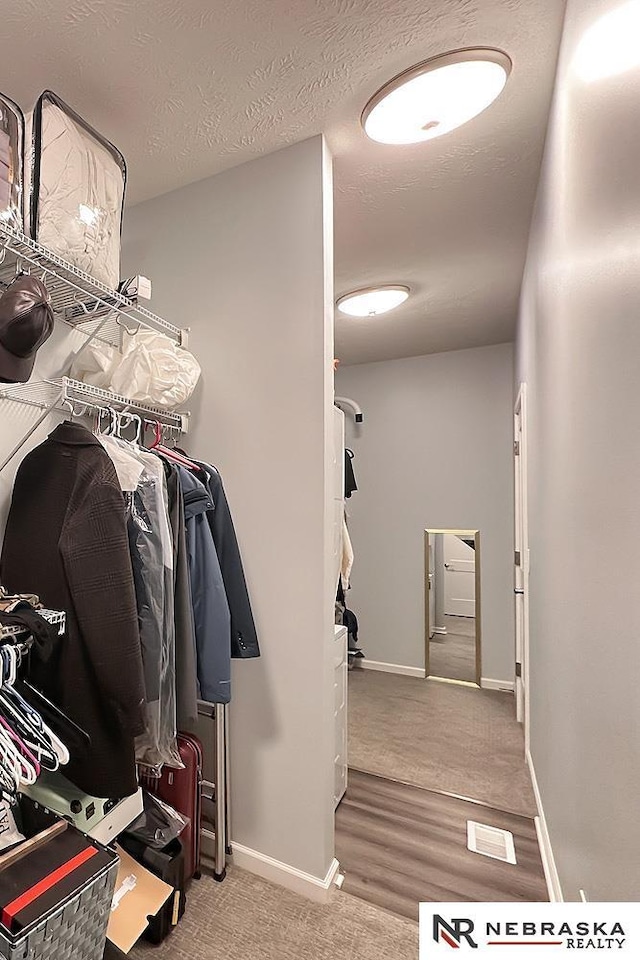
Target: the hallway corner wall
(244, 259)
(578, 350)
(435, 450)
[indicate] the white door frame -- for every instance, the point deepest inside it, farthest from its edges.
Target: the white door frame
(521, 559)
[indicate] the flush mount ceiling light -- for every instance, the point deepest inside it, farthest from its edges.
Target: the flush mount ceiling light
(436, 96)
(371, 301)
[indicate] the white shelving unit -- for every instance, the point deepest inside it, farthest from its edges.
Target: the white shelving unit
(56, 394)
(90, 307)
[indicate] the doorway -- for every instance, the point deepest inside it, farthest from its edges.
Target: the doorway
(521, 561)
(453, 644)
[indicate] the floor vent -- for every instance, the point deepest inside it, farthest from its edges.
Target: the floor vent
(491, 842)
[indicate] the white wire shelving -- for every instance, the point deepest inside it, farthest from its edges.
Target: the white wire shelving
(77, 298)
(63, 393)
(57, 617)
(98, 312)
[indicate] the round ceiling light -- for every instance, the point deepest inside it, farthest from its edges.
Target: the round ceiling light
(373, 300)
(436, 96)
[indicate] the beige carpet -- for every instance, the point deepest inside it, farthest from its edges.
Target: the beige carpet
(246, 918)
(453, 654)
(440, 736)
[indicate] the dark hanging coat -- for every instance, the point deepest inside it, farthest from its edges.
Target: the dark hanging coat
(210, 608)
(244, 638)
(186, 657)
(66, 540)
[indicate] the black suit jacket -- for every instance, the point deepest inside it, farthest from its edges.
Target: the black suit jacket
(66, 540)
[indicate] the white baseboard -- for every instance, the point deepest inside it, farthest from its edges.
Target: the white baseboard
(488, 684)
(442, 630)
(314, 888)
(548, 861)
(389, 668)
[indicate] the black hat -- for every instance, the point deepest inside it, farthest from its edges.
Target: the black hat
(26, 321)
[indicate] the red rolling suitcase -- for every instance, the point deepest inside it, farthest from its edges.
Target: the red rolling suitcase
(182, 789)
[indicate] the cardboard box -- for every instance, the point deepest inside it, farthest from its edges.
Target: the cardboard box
(137, 897)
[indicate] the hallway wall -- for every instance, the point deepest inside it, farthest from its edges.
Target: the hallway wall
(435, 450)
(578, 350)
(245, 259)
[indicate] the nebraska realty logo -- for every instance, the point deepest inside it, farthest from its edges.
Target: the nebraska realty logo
(537, 926)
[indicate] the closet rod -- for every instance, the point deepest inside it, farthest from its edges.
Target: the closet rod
(52, 395)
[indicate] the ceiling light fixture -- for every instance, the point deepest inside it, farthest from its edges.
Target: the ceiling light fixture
(436, 96)
(371, 301)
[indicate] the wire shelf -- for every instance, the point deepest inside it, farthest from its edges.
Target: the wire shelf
(58, 394)
(77, 298)
(51, 616)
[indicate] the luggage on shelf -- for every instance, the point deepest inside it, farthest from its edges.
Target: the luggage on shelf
(77, 187)
(11, 162)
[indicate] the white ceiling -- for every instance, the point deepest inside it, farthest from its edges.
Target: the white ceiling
(187, 88)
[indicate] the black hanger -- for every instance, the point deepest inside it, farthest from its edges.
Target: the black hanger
(76, 740)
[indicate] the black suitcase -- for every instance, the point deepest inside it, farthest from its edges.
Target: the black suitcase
(169, 865)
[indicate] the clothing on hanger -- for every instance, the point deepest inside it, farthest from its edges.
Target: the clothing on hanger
(350, 485)
(244, 637)
(210, 606)
(151, 549)
(186, 657)
(347, 556)
(66, 538)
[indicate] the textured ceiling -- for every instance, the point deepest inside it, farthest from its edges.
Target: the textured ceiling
(187, 88)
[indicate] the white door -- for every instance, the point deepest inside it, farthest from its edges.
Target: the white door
(521, 563)
(432, 592)
(459, 577)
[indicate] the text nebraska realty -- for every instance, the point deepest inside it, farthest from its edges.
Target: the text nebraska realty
(579, 936)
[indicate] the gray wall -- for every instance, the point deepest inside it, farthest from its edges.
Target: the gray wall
(435, 450)
(578, 350)
(244, 259)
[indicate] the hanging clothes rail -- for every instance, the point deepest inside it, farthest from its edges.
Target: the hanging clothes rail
(50, 395)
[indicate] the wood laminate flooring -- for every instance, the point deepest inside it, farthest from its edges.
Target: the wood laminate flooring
(399, 844)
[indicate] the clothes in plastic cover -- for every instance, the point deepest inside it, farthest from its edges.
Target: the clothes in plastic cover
(11, 162)
(142, 480)
(78, 184)
(150, 368)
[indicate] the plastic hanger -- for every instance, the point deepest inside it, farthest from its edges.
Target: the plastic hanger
(171, 455)
(19, 755)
